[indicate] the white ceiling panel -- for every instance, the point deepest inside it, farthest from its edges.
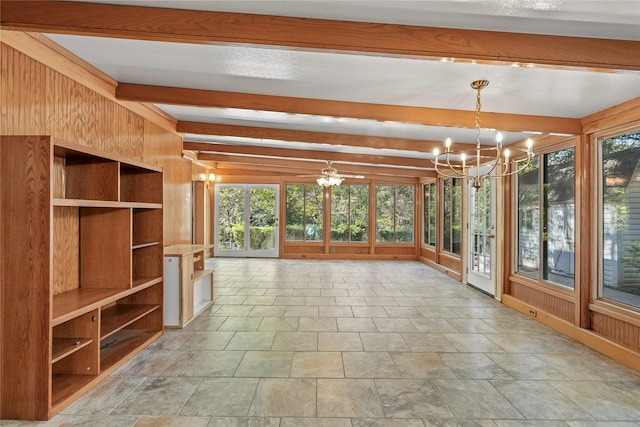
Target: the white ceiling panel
(359, 78)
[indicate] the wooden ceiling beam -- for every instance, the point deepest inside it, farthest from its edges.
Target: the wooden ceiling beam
(357, 110)
(192, 26)
(305, 154)
(307, 136)
(312, 167)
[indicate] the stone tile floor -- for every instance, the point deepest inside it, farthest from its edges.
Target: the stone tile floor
(295, 343)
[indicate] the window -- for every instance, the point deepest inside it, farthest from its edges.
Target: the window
(529, 220)
(429, 214)
(394, 213)
(304, 216)
(546, 218)
(619, 219)
(451, 215)
(350, 213)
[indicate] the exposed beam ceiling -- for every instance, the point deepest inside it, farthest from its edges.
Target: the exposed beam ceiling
(261, 91)
(190, 26)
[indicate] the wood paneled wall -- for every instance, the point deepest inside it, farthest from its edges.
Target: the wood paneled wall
(537, 297)
(38, 100)
(617, 330)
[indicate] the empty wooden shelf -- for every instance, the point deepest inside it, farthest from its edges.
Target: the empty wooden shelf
(82, 279)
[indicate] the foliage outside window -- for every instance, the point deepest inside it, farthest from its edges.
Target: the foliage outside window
(350, 213)
(304, 213)
(620, 219)
(394, 213)
(231, 203)
(546, 218)
(231, 218)
(429, 214)
(451, 215)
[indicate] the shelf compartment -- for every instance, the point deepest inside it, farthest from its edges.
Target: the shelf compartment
(120, 316)
(79, 301)
(78, 175)
(202, 290)
(147, 227)
(105, 260)
(198, 261)
(147, 262)
(139, 184)
(63, 347)
(124, 344)
(66, 249)
(65, 388)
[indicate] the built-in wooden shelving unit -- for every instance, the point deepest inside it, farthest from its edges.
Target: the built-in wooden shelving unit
(82, 270)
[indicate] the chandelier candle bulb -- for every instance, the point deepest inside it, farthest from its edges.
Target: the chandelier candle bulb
(529, 145)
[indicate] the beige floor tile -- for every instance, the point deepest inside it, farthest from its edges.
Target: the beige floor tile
(320, 364)
(388, 341)
(339, 341)
(296, 341)
(356, 398)
(285, 397)
(251, 341)
(369, 365)
(265, 364)
(221, 397)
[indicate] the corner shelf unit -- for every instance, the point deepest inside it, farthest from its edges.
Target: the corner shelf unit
(82, 270)
(188, 285)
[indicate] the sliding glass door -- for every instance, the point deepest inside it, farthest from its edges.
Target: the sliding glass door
(247, 220)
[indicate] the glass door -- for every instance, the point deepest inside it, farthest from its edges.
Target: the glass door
(481, 237)
(247, 220)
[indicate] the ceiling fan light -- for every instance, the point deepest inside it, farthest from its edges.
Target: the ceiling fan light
(329, 181)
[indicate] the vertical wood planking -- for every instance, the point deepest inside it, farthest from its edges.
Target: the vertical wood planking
(66, 249)
(37, 100)
(551, 304)
(616, 330)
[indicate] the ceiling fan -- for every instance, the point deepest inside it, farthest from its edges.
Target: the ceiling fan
(330, 177)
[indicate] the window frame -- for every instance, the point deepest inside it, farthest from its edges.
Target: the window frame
(395, 223)
(542, 204)
(428, 214)
(443, 206)
(304, 214)
(349, 213)
(598, 299)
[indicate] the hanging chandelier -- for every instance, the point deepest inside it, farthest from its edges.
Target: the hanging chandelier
(453, 164)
